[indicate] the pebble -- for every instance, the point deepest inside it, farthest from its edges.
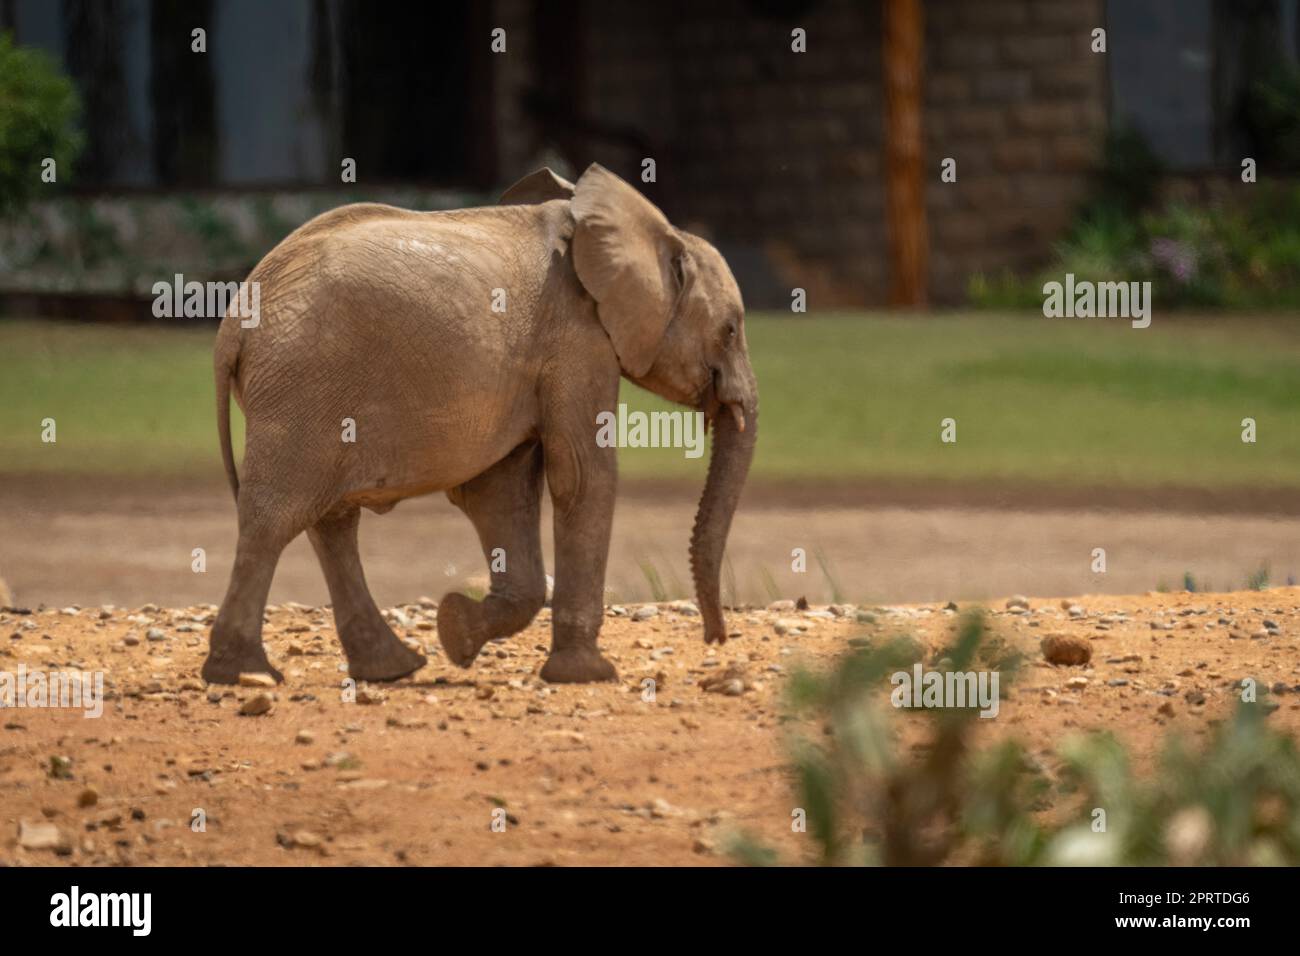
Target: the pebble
(305, 839)
(645, 612)
(1017, 601)
(1065, 650)
(256, 680)
(304, 737)
(730, 682)
(39, 836)
(256, 705)
(155, 634)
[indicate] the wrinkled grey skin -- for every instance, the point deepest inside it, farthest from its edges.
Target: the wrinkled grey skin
(384, 316)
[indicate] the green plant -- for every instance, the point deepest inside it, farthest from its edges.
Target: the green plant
(1003, 291)
(1258, 580)
(1129, 174)
(1236, 802)
(731, 595)
(852, 780)
(651, 574)
(1105, 242)
(1270, 111)
(836, 594)
(39, 109)
(869, 799)
(1240, 255)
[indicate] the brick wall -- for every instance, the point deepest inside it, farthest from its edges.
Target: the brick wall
(777, 156)
(1015, 95)
(774, 155)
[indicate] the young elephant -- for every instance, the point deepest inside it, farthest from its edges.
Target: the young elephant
(398, 353)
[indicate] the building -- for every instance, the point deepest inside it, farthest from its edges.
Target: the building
(781, 157)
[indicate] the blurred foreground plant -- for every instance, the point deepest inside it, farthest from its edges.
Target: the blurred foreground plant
(870, 802)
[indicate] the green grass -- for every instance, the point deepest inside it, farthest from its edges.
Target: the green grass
(1065, 401)
(856, 396)
(126, 400)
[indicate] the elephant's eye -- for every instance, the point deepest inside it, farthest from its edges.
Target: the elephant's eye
(731, 331)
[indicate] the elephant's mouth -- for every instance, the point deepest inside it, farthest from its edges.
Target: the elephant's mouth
(712, 404)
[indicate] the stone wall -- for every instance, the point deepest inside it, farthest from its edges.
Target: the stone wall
(774, 155)
(1015, 94)
(778, 157)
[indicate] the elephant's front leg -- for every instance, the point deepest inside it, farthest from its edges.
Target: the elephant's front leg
(581, 477)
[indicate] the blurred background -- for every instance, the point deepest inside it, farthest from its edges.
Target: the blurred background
(807, 139)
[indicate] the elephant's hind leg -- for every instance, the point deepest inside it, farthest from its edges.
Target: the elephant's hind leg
(504, 503)
(373, 651)
(235, 643)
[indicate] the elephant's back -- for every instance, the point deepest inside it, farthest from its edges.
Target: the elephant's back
(422, 317)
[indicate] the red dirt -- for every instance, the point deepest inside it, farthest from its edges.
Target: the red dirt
(587, 775)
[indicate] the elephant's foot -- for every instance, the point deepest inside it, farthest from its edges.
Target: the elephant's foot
(392, 664)
(226, 663)
(577, 665)
(462, 628)
(375, 653)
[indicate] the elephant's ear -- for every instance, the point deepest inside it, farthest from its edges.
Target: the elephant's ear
(541, 186)
(629, 257)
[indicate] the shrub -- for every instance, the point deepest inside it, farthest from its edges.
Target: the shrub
(868, 800)
(1193, 255)
(38, 116)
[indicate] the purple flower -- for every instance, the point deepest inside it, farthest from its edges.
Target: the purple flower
(1175, 257)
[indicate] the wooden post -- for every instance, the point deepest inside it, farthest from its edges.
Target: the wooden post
(909, 243)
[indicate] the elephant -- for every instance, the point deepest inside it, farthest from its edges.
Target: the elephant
(401, 353)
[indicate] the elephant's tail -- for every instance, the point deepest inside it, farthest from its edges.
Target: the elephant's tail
(227, 360)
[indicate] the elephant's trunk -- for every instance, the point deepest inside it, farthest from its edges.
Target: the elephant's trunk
(733, 450)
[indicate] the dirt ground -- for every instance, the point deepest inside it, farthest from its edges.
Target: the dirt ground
(96, 540)
(412, 772)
